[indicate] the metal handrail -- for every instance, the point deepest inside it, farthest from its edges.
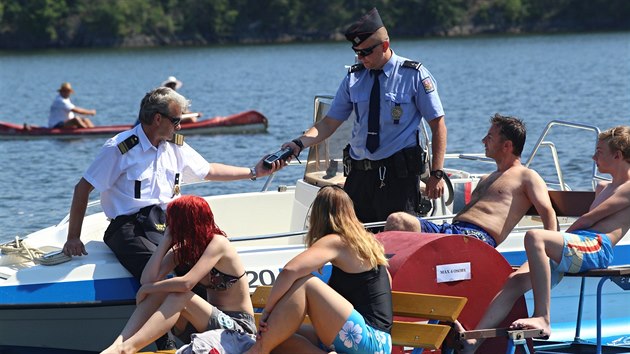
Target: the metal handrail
(541, 142)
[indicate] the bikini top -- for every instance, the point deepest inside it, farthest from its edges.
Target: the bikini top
(220, 281)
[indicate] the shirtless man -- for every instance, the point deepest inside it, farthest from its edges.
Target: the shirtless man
(552, 253)
(500, 199)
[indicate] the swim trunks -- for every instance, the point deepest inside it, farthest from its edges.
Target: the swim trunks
(458, 228)
(357, 337)
(583, 250)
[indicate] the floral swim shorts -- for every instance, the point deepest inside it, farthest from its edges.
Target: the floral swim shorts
(357, 337)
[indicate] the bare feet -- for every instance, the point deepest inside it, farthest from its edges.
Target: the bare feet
(533, 323)
(468, 346)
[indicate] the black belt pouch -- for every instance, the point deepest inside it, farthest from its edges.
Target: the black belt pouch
(415, 158)
(151, 219)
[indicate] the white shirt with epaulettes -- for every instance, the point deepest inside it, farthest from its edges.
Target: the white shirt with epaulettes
(131, 173)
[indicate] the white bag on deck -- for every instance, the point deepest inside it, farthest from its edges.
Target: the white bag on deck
(218, 341)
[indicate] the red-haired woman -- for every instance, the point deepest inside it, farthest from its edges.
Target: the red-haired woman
(192, 240)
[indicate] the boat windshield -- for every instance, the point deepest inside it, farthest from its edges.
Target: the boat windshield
(324, 166)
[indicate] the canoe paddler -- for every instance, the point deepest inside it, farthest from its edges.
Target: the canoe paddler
(64, 114)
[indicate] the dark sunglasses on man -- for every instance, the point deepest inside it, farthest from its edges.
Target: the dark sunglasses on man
(365, 51)
(174, 120)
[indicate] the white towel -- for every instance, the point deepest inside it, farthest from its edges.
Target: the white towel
(218, 341)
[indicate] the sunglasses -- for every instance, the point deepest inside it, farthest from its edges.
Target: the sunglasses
(174, 120)
(365, 51)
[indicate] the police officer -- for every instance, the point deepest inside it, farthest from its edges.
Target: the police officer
(138, 172)
(389, 95)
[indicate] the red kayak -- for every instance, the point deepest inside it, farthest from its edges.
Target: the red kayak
(240, 123)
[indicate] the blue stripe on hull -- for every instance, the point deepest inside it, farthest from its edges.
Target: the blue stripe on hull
(70, 292)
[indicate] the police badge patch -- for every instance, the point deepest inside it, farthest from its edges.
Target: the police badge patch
(428, 85)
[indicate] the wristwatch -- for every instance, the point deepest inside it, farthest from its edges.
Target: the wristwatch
(299, 143)
(439, 174)
(252, 170)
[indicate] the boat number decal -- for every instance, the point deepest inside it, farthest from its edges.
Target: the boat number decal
(263, 277)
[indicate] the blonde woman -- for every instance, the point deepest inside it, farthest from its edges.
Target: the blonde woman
(350, 314)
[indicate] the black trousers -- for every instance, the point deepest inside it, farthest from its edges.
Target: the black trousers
(134, 238)
(374, 201)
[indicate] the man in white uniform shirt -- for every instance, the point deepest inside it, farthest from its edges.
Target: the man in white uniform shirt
(138, 172)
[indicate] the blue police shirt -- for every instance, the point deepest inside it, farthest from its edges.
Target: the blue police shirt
(402, 88)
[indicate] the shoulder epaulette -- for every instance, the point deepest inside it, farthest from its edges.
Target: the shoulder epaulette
(128, 144)
(177, 139)
(355, 68)
(412, 64)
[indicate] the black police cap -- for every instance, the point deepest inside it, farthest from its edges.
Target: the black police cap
(364, 27)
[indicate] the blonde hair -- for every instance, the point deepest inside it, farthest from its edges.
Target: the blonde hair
(618, 138)
(332, 212)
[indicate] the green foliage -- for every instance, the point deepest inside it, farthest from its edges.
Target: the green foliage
(45, 23)
(35, 20)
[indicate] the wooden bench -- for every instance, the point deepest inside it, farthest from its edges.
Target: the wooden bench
(421, 307)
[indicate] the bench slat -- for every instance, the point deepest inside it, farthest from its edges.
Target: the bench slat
(419, 335)
(435, 307)
(260, 295)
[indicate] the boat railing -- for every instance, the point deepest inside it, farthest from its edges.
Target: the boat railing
(370, 225)
(543, 143)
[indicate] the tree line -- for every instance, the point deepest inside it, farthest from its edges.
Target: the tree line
(28, 24)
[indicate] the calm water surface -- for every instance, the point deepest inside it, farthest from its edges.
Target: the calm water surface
(581, 78)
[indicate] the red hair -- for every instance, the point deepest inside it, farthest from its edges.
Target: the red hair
(191, 224)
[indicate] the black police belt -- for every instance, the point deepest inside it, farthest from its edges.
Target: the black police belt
(408, 161)
(368, 165)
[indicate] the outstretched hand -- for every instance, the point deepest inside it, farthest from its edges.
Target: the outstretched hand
(262, 171)
(296, 149)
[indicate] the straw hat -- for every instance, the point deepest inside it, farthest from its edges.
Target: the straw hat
(172, 80)
(66, 87)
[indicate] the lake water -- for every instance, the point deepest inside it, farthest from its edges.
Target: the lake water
(582, 78)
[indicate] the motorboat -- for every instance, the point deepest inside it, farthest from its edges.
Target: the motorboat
(82, 304)
(239, 123)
